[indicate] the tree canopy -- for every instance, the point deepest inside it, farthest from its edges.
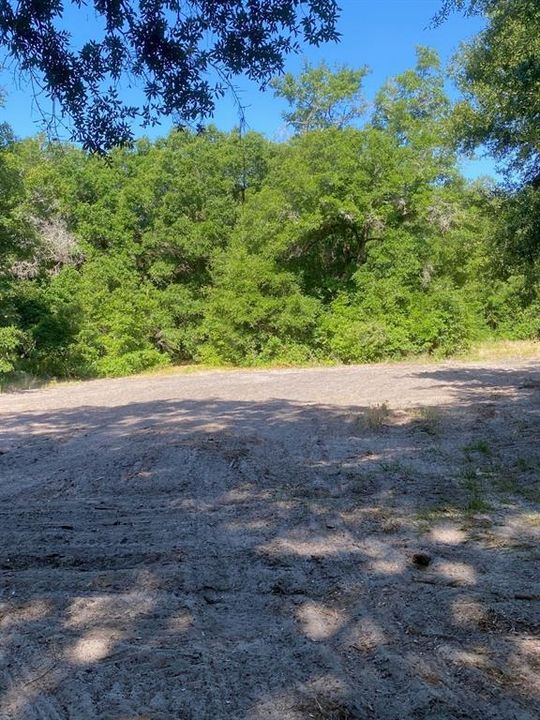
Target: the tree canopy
(498, 72)
(322, 97)
(182, 55)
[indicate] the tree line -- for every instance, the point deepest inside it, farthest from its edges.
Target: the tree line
(358, 239)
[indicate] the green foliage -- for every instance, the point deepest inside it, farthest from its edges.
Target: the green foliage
(350, 244)
(256, 313)
(499, 73)
(16, 237)
(385, 318)
(11, 340)
(166, 49)
(414, 106)
(354, 338)
(321, 97)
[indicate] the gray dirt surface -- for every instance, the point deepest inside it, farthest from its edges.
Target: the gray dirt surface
(339, 543)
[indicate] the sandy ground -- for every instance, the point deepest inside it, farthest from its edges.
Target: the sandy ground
(273, 545)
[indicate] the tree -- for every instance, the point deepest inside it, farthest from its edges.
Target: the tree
(414, 106)
(321, 97)
(169, 47)
(499, 73)
(10, 194)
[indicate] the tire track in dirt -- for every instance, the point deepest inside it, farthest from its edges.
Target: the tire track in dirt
(238, 546)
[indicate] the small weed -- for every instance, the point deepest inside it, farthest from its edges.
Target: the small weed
(397, 468)
(531, 493)
(428, 516)
(361, 482)
(428, 419)
(509, 482)
(387, 522)
(532, 519)
(522, 426)
(390, 526)
(506, 483)
(526, 465)
(324, 709)
(475, 492)
(481, 446)
(376, 415)
(436, 512)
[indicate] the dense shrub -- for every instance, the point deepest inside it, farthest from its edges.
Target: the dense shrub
(11, 340)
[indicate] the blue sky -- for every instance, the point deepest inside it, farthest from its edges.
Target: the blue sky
(382, 34)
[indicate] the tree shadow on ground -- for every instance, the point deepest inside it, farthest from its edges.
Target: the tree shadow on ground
(228, 559)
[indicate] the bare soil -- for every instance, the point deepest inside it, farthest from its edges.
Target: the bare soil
(338, 544)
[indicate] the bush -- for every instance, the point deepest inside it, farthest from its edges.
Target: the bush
(361, 342)
(352, 337)
(254, 312)
(130, 363)
(527, 323)
(439, 323)
(283, 353)
(11, 342)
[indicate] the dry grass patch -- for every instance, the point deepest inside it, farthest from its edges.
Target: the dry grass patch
(531, 519)
(376, 416)
(323, 709)
(503, 350)
(428, 419)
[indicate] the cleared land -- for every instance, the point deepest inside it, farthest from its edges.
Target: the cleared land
(345, 543)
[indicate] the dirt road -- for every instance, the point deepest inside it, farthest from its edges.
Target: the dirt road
(338, 544)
